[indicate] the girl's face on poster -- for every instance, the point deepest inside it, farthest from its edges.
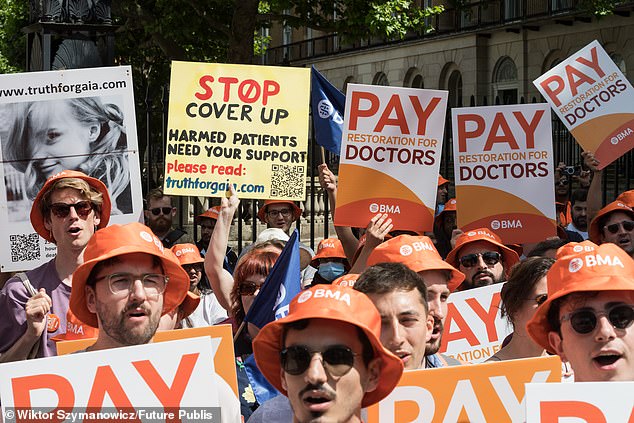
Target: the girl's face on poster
(58, 140)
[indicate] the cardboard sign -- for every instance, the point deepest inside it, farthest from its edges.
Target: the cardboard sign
(474, 328)
(596, 402)
(594, 100)
(489, 392)
(221, 335)
(503, 162)
(390, 156)
(170, 375)
(237, 124)
(80, 119)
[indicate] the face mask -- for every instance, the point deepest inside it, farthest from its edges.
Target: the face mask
(331, 270)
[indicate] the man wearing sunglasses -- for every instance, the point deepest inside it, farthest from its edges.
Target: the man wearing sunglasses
(66, 212)
(482, 257)
(159, 215)
(326, 355)
(614, 223)
(587, 318)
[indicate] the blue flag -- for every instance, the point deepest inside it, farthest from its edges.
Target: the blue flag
(327, 104)
(281, 285)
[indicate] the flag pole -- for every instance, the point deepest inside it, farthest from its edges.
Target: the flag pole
(242, 325)
(323, 155)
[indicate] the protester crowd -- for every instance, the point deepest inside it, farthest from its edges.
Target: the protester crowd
(373, 300)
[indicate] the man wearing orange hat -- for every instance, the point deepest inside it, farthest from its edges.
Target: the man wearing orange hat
(587, 318)
(419, 254)
(330, 261)
(66, 212)
(207, 223)
(127, 282)
(442, 194)
(341, 327)
(614, 223)
(279, 214)
(482, 257)
(209, 312)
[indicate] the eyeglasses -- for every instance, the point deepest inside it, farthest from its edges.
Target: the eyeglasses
(337, 360)
(154, 284)
(490, 258)
(157, 210)
(248, 288)
(198, 267)
(585, 321)
(275, 213)
(627, 226)
(539, 300)
(61, 210)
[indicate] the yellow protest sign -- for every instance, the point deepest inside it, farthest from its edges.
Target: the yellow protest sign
(242, 125)
(488, 392)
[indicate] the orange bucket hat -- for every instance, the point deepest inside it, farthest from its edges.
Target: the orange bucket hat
(627, 197)
(482, 234)
(416, 252)
(189, 304)
(296, 210)
(212, 213)
(346, 280)
(336, 303)
(37, 219)
(594, 231)
(441, 180)
(187, 254)
(581, 267)
(450, 206)
(118, 240)
(328, 248)
(76, 329)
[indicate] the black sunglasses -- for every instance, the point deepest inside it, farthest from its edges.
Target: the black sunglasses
(337, 359)
(157, 210)
(585, 321)
(248, 288)
(627, 225)
(61, 210)
(490, 258)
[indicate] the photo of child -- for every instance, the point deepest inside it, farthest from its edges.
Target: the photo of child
(42, 138)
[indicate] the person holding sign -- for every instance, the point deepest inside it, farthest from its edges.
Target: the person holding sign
(482, 257)
(614, 223)
(127, 282)
(66, 212)
(419, 254)
(341, 328)
(587, 318)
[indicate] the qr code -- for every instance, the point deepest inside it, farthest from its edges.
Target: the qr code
(288, 181)
(25, 247)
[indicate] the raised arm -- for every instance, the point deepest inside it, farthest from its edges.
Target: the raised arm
(595, 190)
(328, 182)
(377, 229)
(220, 279)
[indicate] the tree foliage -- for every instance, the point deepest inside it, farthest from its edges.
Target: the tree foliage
(13, 16)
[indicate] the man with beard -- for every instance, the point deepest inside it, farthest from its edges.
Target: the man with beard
(482, 257)
(159, 214)
(341, 327)
(579, 212)
(419, 254)
(66, 212)
(122, 288)
(614, 223)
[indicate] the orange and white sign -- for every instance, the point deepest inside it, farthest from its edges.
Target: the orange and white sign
(596, 402)
(172, 375)
(503, 162)
(594, 100)
(489, 392)
(390, 156)
(474, 328)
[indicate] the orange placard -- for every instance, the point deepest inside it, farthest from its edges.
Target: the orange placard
(224, 361)
(489, 392)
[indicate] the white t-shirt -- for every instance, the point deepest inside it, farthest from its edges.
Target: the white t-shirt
(208, 313)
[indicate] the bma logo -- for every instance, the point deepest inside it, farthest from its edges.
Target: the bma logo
(406, 250)
(621, 136)
(575, 265)
(580, 248)
(384, 208)
(326, 110)
(304, 296)
(506, 224)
